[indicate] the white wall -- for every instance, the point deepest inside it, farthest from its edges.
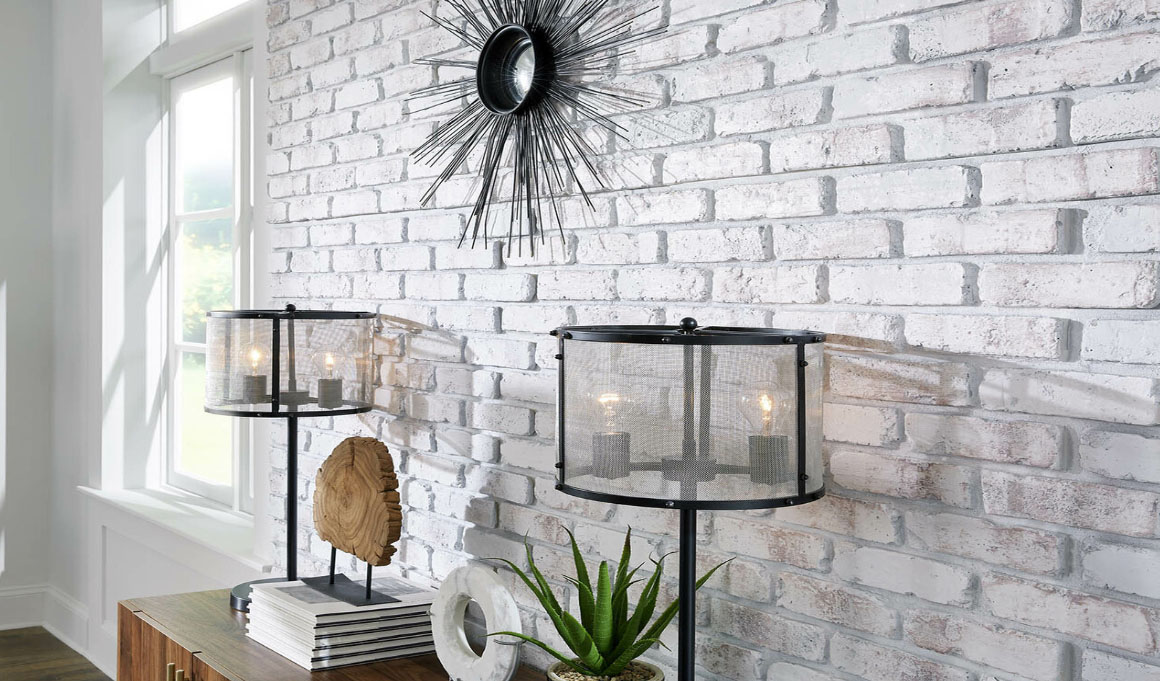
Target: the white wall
(26, 277)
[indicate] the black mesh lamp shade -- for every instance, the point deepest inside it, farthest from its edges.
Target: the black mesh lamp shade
(288, 364)
(690, 418)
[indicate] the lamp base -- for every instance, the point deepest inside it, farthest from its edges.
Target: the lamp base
(240, 594)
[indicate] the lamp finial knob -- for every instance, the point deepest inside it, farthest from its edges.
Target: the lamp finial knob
(290, 307)
(688, 325)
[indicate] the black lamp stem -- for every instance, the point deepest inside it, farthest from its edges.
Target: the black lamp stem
(291, 498)
(687, 615)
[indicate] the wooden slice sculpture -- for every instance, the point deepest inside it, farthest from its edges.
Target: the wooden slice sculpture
(356, 500)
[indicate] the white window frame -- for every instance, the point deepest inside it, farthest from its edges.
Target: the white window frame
(240, 495)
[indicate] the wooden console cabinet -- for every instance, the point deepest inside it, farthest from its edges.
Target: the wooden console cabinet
(200, 634)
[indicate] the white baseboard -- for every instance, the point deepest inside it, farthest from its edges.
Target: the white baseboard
(44, 605)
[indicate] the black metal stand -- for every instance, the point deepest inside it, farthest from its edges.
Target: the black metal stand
(240, 594)
(687, 616)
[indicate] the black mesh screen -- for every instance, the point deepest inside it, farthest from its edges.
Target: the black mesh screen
(631, 428)
(324, 365)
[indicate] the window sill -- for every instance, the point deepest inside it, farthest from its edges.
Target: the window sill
(224, 532)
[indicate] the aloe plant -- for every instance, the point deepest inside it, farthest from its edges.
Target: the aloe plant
(606, 638)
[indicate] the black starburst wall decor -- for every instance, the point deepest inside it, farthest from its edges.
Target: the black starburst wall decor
(537, 79)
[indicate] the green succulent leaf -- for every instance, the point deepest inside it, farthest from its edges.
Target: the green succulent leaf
(587, 605)
(602, 623)
(578, 558)
(625, 557)
(585, 648)
(550, 650)
(633, 652)
(671, 611)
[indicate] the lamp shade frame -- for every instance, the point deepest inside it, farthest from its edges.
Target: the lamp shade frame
(282, 324)
(688, 334)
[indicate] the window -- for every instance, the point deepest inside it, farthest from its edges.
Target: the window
(211, 202)
(189, 13)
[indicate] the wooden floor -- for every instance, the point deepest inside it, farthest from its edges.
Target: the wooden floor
(35, 655)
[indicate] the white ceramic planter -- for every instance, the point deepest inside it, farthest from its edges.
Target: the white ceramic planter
(658, 675)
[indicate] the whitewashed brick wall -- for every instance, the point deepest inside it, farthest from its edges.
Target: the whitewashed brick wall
(964, 194)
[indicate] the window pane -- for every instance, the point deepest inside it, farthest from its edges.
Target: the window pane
(188, 13)
(204, 132)
(205, 274)
(204, 441)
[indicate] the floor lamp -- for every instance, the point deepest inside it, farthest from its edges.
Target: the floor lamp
(689, 418)
(287, 364)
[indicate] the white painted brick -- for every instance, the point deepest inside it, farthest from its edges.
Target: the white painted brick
(986, 27)
(787, 284)
(677, 47)
(381, 172)
(535, 318)
(902, 478)
(1021, 548)
(849, 517)
(682, 11)
(719, 78)
(330, 180)
(876, 663)
(378, 286)
(1075, 504)
(835, 603)
(1117, 115)
(856, 146)
(616, 314)
(1119, 399)
(689, 205)
(767, 542)
(775, 111)
(947, 187)
(907, 89)
(866, 11)
(1100, 666)
(1094, 285)
(1120, 625)
(1039, 337)
(860, 329)
(784, 671)
(1031, 657)
(386, 231)
(356, 148)
(681, 284)
(434, 285)
(781, 22)
(860, 425)
(902, 573)
(500, 484)
(502, 418)
(510, 287)
(716, 245)
(354, 203)
(604, 248)
(1123, 229)
(311, 157)
(1124, 456)
(355, 260)
(982, 232)
(331, 73)
(1133, 342)
(538, 387)
(435, 408)
(983, 131)
(1127, 569)
(826, 240)
(668, 127)
(307, 54)
(739, 159)
(313, 104)
(900, 380)
(1019, 442)
(577, 285)
(491, 351)
(795, 198)
(1120, 172)
(310, 261)
(857, 51)
(926, 284)
(354, 38)
(378, 59)
(405, 257)
(287, 185)
(802, 640)
(1103, 14)
(469, 317)
(289, 237)
(1104, 61)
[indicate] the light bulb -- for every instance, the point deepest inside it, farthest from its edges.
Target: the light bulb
(761, 408)
(329, 362)
(609, 402)
(255, 357)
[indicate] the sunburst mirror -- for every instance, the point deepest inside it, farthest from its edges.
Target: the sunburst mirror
(536, 79)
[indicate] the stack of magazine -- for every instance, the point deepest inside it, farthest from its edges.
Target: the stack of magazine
(315, 628)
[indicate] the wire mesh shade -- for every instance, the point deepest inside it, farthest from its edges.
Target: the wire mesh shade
(301, 363)
(692, 425)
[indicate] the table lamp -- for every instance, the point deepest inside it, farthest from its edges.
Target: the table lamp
(690, 418)
(287, 364)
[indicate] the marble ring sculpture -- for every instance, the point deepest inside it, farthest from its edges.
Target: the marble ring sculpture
(519, 110)
(499, 661)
